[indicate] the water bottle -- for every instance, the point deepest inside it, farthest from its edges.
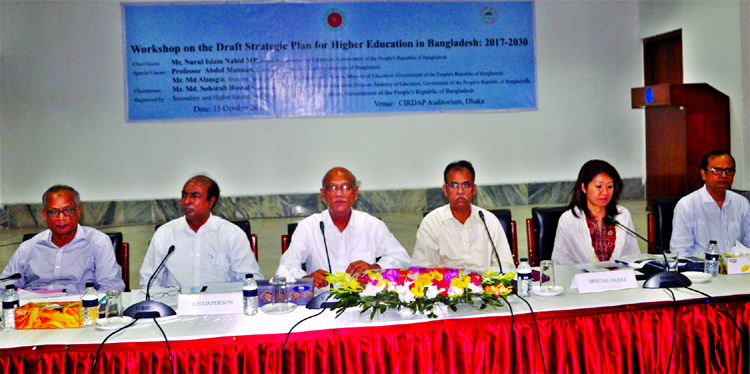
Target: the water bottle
(524, 278)
(10, 303)
(250, 296)
(712, 259)
(90, 301)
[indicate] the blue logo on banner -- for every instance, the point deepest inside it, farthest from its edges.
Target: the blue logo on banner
(649, 95)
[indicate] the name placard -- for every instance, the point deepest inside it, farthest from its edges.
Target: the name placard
(605, 281)
(209, 303)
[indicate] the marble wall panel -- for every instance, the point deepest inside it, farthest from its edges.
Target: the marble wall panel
(166, 210)
(301, 205)
(98, 213)
(550, 193)
(25, 215)
(4, 217)
(132, 212)
(498, 196)
(391, 201)
(434, 198)
(226, 208)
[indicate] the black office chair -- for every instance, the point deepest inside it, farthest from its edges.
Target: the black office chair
(660, 223)
(122, 254)
(510, 228)
(245, 226)
(541, 229)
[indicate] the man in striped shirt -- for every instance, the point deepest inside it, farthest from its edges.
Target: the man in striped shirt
(712, 212)
(68, 255)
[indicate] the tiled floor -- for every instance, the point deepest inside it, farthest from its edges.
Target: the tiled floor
(269, 231)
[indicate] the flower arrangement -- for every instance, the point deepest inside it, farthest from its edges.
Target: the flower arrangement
(418, 289)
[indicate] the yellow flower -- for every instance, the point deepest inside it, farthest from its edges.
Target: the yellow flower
(418, 287)
(461, 282)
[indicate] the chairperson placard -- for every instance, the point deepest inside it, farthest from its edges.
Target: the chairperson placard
(315, 59)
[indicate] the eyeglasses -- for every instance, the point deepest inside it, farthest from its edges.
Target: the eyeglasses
(719, 171)
(67, 212)
(464, 185)
(345, 188)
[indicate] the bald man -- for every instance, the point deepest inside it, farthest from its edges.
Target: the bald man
(356, 240)
(207, 248)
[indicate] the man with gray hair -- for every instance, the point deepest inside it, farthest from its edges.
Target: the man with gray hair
(67, 255)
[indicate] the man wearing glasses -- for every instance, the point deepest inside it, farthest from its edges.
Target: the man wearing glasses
(68, 255)
(712, 212)
(356, 240)
(208, 248)
(454, 235)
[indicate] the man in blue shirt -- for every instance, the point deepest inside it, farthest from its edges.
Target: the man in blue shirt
(67, 255)
(712, 212)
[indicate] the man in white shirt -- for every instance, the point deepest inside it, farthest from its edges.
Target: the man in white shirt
(207, 248)
(712, 212)
(356, 241)
(454, 235)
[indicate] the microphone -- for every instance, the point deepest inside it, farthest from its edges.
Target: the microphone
(11, 277)
(500, 264)
(321, 301)
(663, 279)
(149, 308)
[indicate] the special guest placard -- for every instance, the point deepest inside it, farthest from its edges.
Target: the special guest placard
(312, 59)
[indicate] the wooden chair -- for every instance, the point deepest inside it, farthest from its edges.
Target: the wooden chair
(245, 226)
(541, 229)
(286, 240)
(660, 223)
(122, 254)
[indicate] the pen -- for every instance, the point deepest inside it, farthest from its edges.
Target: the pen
(212, 257)
(621, 262)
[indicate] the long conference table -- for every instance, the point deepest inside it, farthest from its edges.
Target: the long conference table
(611, 332)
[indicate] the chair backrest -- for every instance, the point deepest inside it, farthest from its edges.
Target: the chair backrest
(545, 228)
(286, 240)
(663, 211)
(509, 226)
(504, 216)
(122, 254)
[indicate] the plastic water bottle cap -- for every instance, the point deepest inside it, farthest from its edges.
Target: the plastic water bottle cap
(248, 276)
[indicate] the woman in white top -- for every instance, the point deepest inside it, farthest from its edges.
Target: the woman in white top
(582, 234)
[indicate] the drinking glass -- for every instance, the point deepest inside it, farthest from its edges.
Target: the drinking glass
(547, 276)
(113, 308)
(280, 295)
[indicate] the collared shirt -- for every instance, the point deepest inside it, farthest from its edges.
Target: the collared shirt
(365, 238)
(573, 239)
(89, 257)
(218, 252)
(443, 241)
(698, 219)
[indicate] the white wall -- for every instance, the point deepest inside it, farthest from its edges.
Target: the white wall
(62, 117)
(713, 53)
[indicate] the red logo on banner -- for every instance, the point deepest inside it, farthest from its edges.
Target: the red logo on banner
(335, 19)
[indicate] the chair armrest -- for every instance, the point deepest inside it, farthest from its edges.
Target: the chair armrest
(530, 240)
(284, 243)
(514, 241)
(125, 258)
(254, 245)
(652, 233)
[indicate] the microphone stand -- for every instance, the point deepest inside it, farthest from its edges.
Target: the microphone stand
(663, 279)
(321, 301)
(149, 308)
(499, 264)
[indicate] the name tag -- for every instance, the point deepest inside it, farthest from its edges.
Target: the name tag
(605, 281)
(209, 303)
